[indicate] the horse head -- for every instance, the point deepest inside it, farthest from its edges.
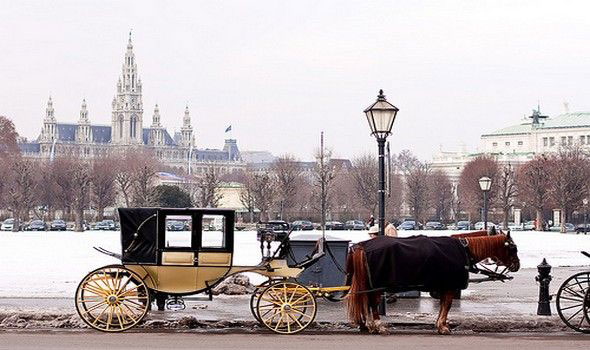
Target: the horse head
(508, 254)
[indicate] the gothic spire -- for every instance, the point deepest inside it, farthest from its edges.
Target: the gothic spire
(186, 121)
(49, 111)
(84, 113)
(156, 117)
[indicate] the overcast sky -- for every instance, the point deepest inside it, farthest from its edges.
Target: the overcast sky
(281, 71)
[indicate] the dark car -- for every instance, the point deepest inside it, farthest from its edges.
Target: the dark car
(36, 225)
(434, 225)
(334, 225)
(276, 229)
(57, 225)
(408, 225)
(583, 228)
(355, 225)
(174, 225)
(302, 225)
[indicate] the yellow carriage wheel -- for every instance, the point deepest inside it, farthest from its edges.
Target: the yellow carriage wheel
(112, 299)
(286, 307)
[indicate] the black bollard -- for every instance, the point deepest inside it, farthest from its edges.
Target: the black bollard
(544, 278)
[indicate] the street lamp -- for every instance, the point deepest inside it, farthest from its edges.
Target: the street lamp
(485, 183)
(381, 116)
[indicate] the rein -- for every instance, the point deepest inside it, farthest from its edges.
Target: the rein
(476, 267)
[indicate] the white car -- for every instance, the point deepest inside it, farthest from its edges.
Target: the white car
(514, 227)
(479, 225)
(7, 225)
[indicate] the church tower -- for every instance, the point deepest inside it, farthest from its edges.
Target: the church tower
(127, 120)
(186, 132)
(156, 136)
(49, 132)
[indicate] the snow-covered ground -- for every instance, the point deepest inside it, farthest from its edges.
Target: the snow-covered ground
(51, 264)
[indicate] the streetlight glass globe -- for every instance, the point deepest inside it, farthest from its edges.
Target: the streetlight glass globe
(381, 116)
(485, 183)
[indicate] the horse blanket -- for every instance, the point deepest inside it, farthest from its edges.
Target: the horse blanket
(416, 263)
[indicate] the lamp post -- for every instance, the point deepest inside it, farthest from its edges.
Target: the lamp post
(585, 201)
(485, 183)
(381, 115)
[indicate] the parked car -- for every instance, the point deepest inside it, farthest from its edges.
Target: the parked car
(480, 225)
(434, 225)
(7, 225)
(173, 225)
(355, 225)
(334, 225)
(105, 225)
(407, 225)
(583, 228)
(57, 225)
(302, 225)
(279, 228)
(515, 227)
(463, 225)
(452, 226)
(36, 225)
(529, 226)
(569, 227)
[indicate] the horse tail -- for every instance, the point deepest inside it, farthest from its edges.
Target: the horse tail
(357, 301)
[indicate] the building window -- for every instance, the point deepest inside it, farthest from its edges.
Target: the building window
(582, 140)
(545, 142)
(507, 143)
(563, 140)
(570, 140)
(495, 144)
(520, 143)
(552, 141)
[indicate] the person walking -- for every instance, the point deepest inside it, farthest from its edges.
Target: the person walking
(371, 221)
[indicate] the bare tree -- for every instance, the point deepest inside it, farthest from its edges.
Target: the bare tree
(507, 190)
(365, 179)
(324, 174)
(8, 136)
(80, 178)
(64, 186)
(144, 176)
(208, 189)
(288, 178)
(441, 194)
(533, 184)
(264, 192)
(123, 165)
(569, 175)
(20, 189)
(103, 185)
(247, 197)
(471, 195)
(417, 181)
(396, 197)
(406, 161)
(47, 191)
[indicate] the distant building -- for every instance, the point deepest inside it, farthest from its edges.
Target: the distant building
(516, 144)
(86, 140)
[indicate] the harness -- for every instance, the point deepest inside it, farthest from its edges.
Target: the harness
(476, 267)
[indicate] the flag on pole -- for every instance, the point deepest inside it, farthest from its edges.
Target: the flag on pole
(228, 129)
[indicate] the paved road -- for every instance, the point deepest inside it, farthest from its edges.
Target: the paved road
(84, 340)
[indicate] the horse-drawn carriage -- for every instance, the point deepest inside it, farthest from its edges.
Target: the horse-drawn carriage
(158, 260)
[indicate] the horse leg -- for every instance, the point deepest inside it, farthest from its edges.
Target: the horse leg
(446, 299)
(375, 326)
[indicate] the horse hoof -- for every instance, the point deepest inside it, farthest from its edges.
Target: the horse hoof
(363, 329)
(377, 328)
(444, 330)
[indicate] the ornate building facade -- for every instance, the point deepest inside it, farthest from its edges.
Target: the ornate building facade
(86, 140)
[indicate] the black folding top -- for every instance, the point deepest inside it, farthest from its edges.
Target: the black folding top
(143, 247)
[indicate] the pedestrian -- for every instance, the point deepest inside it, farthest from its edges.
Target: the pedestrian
(390, 230)
(371, 221)
(373, 231)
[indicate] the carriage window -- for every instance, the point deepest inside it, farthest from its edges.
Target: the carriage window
(213, 235)
(179, 231)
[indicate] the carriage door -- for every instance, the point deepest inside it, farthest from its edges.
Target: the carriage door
(177, 272)
(215, 247)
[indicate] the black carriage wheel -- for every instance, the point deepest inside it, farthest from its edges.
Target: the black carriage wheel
(573, 302)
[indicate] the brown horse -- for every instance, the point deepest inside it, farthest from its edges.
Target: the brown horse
(363, 298)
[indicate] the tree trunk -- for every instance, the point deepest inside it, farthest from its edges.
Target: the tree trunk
(506, 215)
(539, 221)
(562, 219)
(100, 213)
(16, 225)
(251, 216)
(78, 215)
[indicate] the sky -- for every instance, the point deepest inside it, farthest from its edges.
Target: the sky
(280, 72)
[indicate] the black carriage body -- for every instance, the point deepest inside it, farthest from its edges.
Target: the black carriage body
(143, 232)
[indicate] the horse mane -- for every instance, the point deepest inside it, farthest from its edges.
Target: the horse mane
(357, 300)
(482, 247)
(470, 234)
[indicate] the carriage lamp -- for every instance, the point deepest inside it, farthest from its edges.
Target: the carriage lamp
(381, 115)
(485, 183)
